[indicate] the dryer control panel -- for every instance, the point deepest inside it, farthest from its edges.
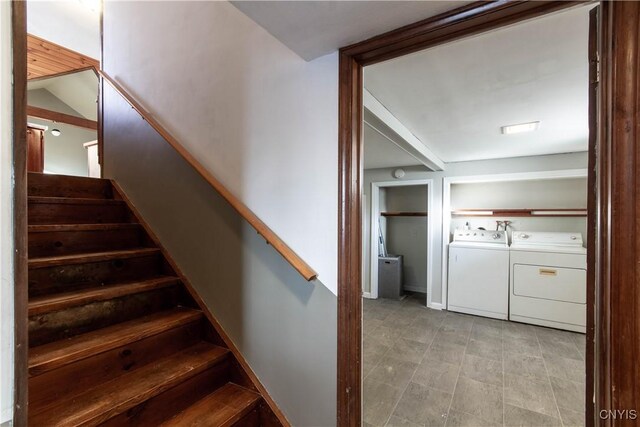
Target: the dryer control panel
(547, 238)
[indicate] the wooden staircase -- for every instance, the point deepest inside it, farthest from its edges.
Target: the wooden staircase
(116, 335)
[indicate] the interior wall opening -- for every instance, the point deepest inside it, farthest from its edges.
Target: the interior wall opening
(63, 40)
(498, 124)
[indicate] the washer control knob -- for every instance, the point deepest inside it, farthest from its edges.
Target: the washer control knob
(574, 238)
(496, 236)
(524, 236)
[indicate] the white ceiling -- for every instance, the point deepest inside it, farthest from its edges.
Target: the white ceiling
(379, 152)
(78, 90)
(455, 97)
(74, 24)
(316, 28)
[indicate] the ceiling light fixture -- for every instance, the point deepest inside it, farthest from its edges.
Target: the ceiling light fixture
(520, 128)
(56, 132)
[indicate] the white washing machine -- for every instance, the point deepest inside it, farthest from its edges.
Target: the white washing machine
(479, 273)
(548, 280)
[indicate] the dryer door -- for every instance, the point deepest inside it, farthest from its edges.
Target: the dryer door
(552, 283)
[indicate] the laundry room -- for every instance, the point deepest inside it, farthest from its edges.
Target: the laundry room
(475, 229)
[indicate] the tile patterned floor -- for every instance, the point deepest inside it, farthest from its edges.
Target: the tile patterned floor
(426, 367)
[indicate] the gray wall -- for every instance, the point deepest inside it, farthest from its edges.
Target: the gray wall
(63, 154)
(542, 194)
(482, 167)
(407, 236)
(284, 326)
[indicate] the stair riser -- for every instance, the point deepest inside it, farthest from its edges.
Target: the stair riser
(68, 186)
(66, 278)
(165, 405)
(79, 376)
(63, 324)
(55, 243)
(80, 213)
(252, 419)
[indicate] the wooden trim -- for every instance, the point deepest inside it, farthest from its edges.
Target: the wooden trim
(404, 213)
(101, 96)
(350, 152)
(196, 297)
(534, 213)
(56, 116)
(20, 266)
(462, 22)
(618, 245)
(592, 229)
(64, 73)
(45, 58)
(271, 237)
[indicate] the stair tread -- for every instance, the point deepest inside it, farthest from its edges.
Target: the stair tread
(89, 257)
(74, 200)
(43, 228)
(114, 397)
(223, 407)
(55, 302)
(53, 355)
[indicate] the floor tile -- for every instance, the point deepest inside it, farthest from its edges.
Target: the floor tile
(479, 399)
(398, 320)
(369, 325)
(401, 422)
(484, 332)
(379, 399)
(426, 321)
(423, 405)
(529, 346)
(376, 313)
(568, 369)
(526, 366)
(569, 394)
(520, 417)
(419, 333)
(446, 352)
(437, 374)
(484, 370)
(572, 418)
(529, 394)
(392, 371)
(409, 350)
(518, 330)
(453, 336)
(385, 334)
(562, 349)
(461, 322)
(487, 348)
(486, 327)
(462, 419)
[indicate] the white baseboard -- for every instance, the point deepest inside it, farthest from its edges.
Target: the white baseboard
(422, 290)
(435, 306)
(366, 295)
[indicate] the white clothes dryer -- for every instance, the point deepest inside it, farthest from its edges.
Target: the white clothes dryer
(548, 279)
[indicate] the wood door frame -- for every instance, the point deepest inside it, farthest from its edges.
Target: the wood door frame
(613, 333)
(20, 271)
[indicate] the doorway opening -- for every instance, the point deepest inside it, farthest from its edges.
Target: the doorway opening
(63, 42)
(466, 21)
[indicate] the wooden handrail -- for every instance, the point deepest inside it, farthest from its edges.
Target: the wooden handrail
(294, 259)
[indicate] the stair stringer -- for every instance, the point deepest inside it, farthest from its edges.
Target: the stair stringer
(270, 414)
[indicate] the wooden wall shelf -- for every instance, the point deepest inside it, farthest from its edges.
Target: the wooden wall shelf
(520, 212)
(403, 213)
